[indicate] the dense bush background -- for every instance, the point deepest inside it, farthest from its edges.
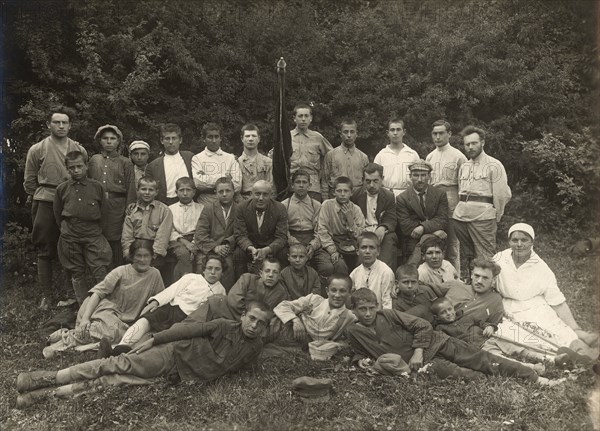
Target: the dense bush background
(526, 71)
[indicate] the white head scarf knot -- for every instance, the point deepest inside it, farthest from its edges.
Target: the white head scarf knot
(523, 227)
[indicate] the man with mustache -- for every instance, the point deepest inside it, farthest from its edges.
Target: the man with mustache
(483, 193)
(421, 210)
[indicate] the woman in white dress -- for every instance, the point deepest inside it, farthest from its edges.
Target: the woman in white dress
(530, 294)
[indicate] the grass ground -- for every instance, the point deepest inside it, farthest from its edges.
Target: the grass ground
(261, 399)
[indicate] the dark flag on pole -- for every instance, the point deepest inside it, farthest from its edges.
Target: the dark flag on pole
(282, 142)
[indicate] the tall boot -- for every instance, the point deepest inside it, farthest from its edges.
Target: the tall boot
(34, 380)
(33, 397)
(44, 270)
(80, 289)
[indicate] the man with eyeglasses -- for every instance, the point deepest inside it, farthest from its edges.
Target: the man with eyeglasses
(172, 165)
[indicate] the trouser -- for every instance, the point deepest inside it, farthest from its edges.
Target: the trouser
(452, 243)
(77, 253)
(117, 253)
(412, 249)
(477, 238)
(184, 263)
(467, 356)
(228, 278)
(44, 236)
(155, 362)
(388, 250)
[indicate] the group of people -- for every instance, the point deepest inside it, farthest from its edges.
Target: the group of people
(355, 256)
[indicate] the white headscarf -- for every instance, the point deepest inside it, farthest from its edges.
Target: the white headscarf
(523, 227)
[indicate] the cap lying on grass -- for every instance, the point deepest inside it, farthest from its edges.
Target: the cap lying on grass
(309, 387)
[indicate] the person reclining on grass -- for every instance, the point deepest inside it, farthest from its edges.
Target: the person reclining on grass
(172, 305)
(314, 318)
(190, 350)
(265, 287)
(477, 333)
(391, 331)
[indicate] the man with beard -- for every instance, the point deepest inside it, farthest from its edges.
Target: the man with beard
(483, 193)
(421, 210)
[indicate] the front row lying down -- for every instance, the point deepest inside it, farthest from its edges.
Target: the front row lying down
(220, 338)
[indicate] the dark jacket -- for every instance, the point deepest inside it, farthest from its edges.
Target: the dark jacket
(273, 232)
(156, 170)
(386, 207)
(212, 230)
(410, 215)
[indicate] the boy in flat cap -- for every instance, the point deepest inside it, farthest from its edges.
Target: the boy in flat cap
(420, 210)
(114, 172)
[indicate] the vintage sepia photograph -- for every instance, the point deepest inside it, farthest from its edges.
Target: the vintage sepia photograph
(300, 215)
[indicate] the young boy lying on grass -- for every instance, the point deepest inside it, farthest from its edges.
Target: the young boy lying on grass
(391, 331)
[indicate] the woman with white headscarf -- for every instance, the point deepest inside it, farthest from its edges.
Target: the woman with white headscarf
(531, 293)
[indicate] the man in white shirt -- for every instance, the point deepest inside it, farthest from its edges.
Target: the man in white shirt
(395, 158)
(172, 165)
(373, 274)
(314, 318)
(446, 161)
(213, 163)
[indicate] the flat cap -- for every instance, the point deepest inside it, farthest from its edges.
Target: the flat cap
(420, 165)
(137, 145)
(391, 364)
(309, 387)
(108, 127)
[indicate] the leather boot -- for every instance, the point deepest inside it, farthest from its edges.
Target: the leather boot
(80, 289)
(29, 399)
(34, 380)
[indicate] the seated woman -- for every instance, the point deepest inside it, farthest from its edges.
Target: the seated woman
(172, 305)
(113, 303)
(530, 294)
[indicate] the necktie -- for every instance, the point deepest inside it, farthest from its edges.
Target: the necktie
(422, 201)
(259, 218)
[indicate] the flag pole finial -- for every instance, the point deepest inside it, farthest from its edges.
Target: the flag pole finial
(281, 64)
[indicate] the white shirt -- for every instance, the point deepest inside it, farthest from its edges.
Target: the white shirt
(185, 218)
(379, 278)
(321, 321)
(370, 217)
(175, 168)
(395, 167)
(208, 167)
(433, 277)
(189, 292)
(446, 161)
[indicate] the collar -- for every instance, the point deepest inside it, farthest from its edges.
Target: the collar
(209, 153)
(139, 205)
(389, 148)
(116, 156)
(245, 156)
(424, 193)
(137, 168)
(172, 156)
(350, 150)
(444, 147)
(338, 207)
(297, 132)
(82, 181)
(186, 205)
(306, 199)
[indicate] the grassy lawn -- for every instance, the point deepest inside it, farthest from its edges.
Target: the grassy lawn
(262, 399)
